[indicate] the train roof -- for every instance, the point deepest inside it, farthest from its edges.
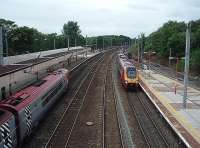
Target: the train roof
(122, 56)
(32, 92)
(126, 63)
(4, 116)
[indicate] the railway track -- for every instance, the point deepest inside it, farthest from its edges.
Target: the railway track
(95, 110)
(111, 136)
(166, 71)
(155, 130)
(148, 130)
(62, 133)
(43, 132)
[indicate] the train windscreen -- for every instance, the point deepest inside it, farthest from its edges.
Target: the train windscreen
(131, 72)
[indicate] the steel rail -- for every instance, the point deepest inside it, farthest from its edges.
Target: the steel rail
(117, 115)
(106, 80)
(76, 92)
(138, 121)
(147, 110)
(104, 109)
(85, 62)
(94, 72)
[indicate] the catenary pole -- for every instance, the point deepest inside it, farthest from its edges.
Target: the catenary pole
(187, 58)
(1, 46)
(96, 43)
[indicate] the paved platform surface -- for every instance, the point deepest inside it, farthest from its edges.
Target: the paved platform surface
(185, 121)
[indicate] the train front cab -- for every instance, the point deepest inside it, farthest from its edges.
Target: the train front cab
(130, 78)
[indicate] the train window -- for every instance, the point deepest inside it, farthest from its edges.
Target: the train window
(39, 83)
(131, 72)
(3, 92)
(53, 93)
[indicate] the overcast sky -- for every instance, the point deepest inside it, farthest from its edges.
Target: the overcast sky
(99, 17)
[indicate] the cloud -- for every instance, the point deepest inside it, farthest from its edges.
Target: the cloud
(96, 17)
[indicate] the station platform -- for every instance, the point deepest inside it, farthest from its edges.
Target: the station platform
(169, 101)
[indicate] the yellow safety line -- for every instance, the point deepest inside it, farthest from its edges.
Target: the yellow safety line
(182, 120)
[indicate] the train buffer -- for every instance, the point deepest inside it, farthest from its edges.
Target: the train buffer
(167, 96)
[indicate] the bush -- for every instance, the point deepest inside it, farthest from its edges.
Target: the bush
(181, 65)
(195, 58)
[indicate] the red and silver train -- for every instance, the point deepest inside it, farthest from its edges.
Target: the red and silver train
(21, 112)
(128, 72)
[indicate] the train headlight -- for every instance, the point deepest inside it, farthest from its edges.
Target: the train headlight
(126, 82)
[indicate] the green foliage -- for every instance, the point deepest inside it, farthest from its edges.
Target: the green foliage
(9, 25)
(172, 35)
(133, 50)
(195, 58)
(180, 66)
(72, 31)
(24, 39)
(108, 40)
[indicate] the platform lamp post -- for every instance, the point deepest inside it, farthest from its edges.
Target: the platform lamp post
(139, 48)
(187, 58)
(6, 42)
(149, 62)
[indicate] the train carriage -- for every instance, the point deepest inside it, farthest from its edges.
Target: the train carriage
(128, 72)
(30, 104)
(8, 129)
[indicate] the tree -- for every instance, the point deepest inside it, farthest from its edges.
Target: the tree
(7, 24)
(194, 58)
(22, 39)
(116, 40)
(170, 35)
(72, 31)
